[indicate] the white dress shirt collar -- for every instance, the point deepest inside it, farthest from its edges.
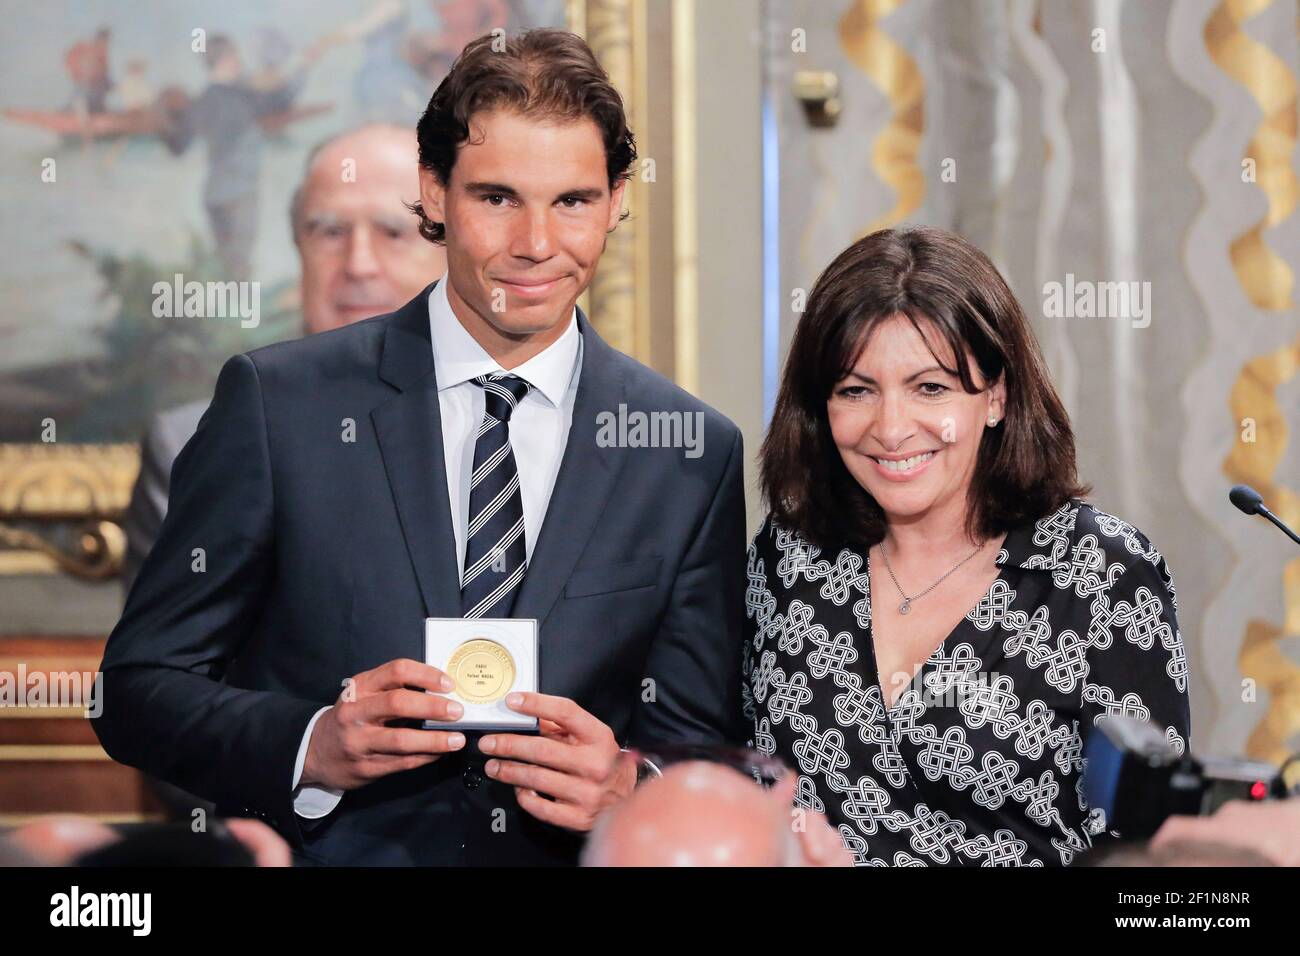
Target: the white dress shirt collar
(457, 357)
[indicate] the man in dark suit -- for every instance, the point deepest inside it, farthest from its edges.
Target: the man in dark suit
(455, 458)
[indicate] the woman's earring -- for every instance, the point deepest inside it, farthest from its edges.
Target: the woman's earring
(992, 422)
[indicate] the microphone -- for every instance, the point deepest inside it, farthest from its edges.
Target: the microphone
(1249, 501)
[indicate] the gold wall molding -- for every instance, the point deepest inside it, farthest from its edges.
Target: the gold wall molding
(617, 300)
(1264, 275)
(607, 26)
(61, 506)
(42, 713)
(883, 59)
(52, 752)
(1261, 657)
(686, 252)
(18, 819)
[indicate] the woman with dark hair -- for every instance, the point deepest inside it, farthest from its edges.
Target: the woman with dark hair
(937, 618)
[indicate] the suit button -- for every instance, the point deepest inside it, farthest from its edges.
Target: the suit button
(471, 778)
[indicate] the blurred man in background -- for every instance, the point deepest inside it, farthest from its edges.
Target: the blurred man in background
(74, 840)
(708, 814)
(361, 255)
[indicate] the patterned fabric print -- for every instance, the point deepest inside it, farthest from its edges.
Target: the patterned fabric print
(979, 760)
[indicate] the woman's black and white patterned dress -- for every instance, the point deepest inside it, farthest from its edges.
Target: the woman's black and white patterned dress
(978, 761)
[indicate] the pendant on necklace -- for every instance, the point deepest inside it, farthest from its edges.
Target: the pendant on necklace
(905, 606)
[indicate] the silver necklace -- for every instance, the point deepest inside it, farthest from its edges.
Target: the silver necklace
(906, 606)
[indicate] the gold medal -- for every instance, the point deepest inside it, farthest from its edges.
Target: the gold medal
(483, 671)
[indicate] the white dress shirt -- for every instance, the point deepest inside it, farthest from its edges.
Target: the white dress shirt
(539, 431)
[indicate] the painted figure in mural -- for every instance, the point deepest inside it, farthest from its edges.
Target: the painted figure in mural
(226, 117)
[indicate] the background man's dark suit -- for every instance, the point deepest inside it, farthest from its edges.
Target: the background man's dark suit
(163, 440)
(324, 556)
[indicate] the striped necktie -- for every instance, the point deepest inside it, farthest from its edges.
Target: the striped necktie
(496, 555)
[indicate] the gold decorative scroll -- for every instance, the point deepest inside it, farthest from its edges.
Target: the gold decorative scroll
(894, 153)
(1264, 275)
(79, 488)
(1261, 658)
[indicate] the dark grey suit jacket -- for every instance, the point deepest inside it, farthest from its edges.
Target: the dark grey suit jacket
(323, 557)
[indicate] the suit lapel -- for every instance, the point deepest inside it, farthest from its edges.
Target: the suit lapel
(585, 481)
(408, 427)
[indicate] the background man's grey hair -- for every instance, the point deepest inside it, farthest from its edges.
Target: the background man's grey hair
(295, 203)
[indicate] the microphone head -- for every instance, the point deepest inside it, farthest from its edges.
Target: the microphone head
(1246, 499)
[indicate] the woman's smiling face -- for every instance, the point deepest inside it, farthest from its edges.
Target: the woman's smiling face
(908, 432)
